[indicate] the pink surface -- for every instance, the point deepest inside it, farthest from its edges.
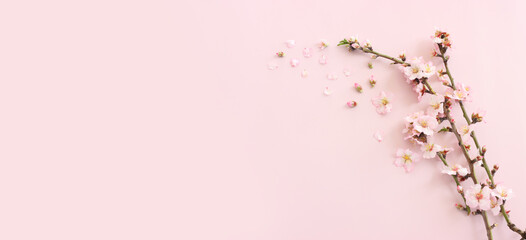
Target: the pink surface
(159, 119)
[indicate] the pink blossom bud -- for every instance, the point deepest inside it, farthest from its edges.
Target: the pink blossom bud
(496, 167)
(460, 189)
(280, 54)
(372, 81)
(352, 104)
(358, 87)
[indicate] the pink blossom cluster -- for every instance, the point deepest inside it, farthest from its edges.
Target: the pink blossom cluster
(421, 128)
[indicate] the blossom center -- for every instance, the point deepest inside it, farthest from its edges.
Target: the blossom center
(479, 196)
(407, 158)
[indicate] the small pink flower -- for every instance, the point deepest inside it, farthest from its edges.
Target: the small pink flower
(405, 158)
(382, 103)
(495, 205)
(307, 52)
(426, 124)
(435, 106)
(455, 169)
(430, 150)
(378, 136)
(461, 93)
(503, 192)
(478, 197)
(323, 60)
(415, 71)
(420, 90)
(290, 43)
(428, 70)
(465, 132)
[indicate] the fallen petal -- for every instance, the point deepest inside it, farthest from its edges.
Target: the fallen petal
(272, 66)
(304, 73)
(290, 43)
(346, 72)
(307, 52)
(378, 136)
(323, 60)
(331, 76)
(294, 62)
(327, 92)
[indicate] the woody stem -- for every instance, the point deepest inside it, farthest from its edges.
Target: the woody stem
(511, 225)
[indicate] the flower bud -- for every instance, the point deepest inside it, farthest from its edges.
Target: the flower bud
(352, 104)
(358, 87)
(280, 54)
(460, 189)
(370, 65)
(484, 150)
(372, 81)
(402, 56)
(496, 167)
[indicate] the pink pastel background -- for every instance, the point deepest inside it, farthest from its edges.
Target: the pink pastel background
(159, 119)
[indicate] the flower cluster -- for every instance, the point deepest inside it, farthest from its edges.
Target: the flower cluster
(417, 72)
(419, 126)
(484, 198)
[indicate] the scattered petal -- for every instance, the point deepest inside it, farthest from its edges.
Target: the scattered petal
(307, 52)
(327, 91)
(272, 66)
(323, 44)
(290, 43)
(346, 72)
(332, 76)
(304, 73)
(378, 136)
(294, 62)
(323, 59)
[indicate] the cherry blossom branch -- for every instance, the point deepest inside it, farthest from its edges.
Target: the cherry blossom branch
(366, 48)
(420, 127)
(459, 187)
(473, 175)
(481, 151)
